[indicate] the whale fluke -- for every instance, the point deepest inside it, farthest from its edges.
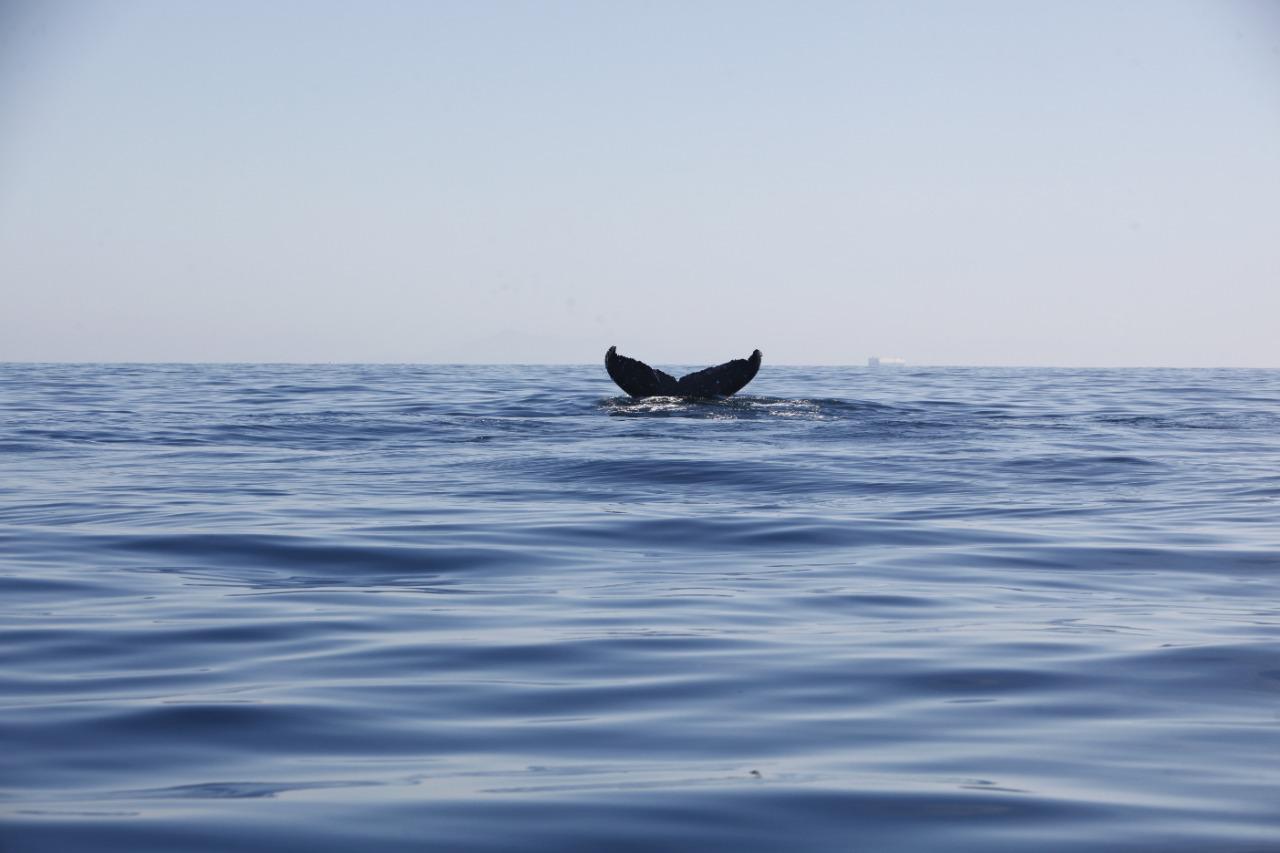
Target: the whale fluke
(640, 380)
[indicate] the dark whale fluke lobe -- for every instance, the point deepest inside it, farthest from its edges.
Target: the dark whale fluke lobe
(640, 380)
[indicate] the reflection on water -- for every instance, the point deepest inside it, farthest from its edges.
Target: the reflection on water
(401, 608)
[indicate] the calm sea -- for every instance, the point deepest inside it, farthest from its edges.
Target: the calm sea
(409, 608)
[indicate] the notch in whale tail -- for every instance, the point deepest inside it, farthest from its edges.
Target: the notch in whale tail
(640, 380)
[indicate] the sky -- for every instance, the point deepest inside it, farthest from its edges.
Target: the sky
(1087, 183)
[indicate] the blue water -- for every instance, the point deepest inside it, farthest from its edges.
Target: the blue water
(405, 608)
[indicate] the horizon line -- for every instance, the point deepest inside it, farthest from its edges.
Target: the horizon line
(863, 366)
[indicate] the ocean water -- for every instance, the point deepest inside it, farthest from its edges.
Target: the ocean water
(406, 608)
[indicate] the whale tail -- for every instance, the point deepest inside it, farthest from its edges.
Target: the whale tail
(640, 380)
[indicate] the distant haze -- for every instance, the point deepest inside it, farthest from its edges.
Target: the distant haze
(1085, 183)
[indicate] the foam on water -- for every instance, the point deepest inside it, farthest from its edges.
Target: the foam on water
(317, 608)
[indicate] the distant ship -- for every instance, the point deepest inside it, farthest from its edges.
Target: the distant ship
(877, 361)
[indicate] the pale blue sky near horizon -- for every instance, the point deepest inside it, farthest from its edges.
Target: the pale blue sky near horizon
(993, 183)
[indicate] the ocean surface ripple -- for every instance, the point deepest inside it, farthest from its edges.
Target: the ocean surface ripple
(398, 608)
